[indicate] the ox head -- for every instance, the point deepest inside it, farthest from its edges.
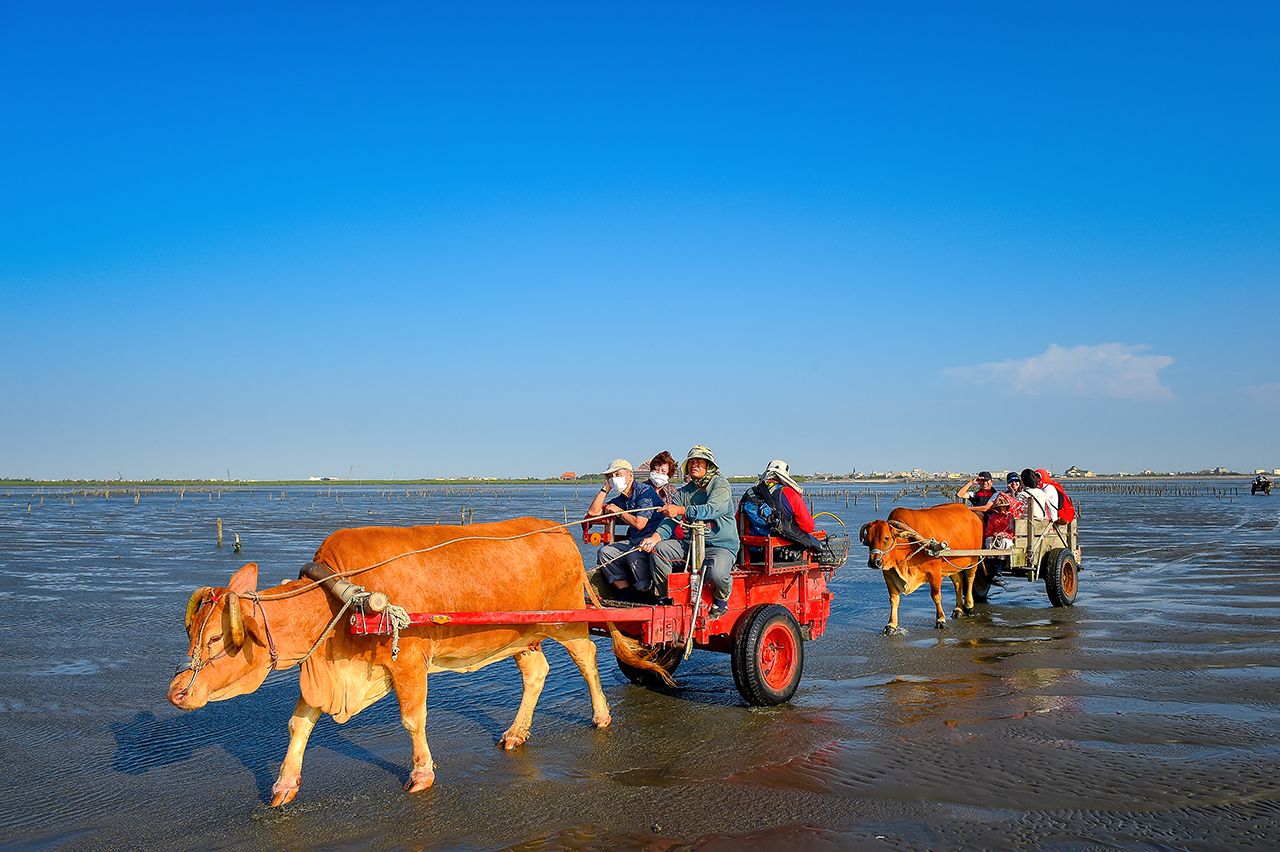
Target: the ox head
(227, 655)
(885, 543)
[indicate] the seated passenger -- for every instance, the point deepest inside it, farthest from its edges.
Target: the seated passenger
(623, 563)
(1013, 488)
(1066, 509)
(997, 532)
(661, 468)
(707, 497)
(979, 491)
(1042, 503)
(774, 506)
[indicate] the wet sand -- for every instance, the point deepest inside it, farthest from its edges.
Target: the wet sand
(1144, 717)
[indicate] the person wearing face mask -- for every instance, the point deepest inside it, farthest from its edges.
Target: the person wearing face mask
(622, 563)
(661, 468)
(705, 497)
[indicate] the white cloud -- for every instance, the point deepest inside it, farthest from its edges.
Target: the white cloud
(1105, 371)
(1263, 394)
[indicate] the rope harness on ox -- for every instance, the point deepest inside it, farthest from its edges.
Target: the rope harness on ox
(933, 547)
(356, 596)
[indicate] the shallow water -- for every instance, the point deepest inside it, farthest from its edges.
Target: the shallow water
(1144, 717)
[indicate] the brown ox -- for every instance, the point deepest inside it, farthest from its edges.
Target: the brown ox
(904, 557)
(523, 564)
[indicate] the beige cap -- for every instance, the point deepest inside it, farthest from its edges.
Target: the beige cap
(618, 464)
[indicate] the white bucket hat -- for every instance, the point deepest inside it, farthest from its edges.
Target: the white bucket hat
(779, 470)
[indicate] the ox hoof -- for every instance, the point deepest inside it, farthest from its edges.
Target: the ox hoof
(940, 624)
(511, 740)
(957, 613)
(602, 721)
(894, 630)
(419, 780)
(282, 793)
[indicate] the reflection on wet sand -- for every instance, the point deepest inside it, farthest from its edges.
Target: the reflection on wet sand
(1144, 717)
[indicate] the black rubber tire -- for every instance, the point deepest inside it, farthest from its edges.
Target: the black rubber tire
(742, 625)
(982, 577)
(768, 656)
(1060, 576)
(668, 656)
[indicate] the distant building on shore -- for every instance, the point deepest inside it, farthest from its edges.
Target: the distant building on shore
(568, 475)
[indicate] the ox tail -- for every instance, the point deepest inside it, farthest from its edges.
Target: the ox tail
(625, 648)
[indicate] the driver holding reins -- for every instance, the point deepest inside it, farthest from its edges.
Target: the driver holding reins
(705, 497)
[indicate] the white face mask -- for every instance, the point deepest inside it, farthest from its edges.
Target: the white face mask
(659, 479)
(618, 483)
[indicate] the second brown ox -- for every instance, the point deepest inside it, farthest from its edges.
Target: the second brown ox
(899, 548)
(238, 636)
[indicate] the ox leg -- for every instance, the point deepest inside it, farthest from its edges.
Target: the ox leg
(300, 726)
(583, 652)
(533, 670)
(895, 597)
(935, 592)
(411, 693)
(963, 581)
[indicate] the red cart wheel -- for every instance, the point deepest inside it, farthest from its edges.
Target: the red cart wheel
(768, 656)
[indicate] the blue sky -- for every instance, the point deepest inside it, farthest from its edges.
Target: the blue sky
(514, 239)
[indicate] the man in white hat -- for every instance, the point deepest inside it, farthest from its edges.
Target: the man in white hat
(705, 497)
(782, 511)
(622, 563)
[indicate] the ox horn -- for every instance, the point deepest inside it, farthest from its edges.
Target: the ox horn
(862, 533)
(237, 620)
(193, 604)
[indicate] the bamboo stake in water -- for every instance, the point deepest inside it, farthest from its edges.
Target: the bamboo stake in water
(219, 532)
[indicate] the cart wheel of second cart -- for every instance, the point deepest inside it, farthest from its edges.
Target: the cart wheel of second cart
(668, 656)
(1060, 570)
(982, 577)
(768, 656)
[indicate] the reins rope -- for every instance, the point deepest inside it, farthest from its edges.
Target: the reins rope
(398, 615)
(351, 572)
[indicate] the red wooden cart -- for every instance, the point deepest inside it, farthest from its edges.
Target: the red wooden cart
(774, 608)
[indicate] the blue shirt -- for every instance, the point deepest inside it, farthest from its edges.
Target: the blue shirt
(642, 497)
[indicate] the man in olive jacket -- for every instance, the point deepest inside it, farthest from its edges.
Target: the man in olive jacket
(705, 497)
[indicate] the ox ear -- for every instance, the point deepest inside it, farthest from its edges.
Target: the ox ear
(244, 580)
(862, 533)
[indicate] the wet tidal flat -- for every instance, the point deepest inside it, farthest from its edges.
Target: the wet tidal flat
(1147, 716)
